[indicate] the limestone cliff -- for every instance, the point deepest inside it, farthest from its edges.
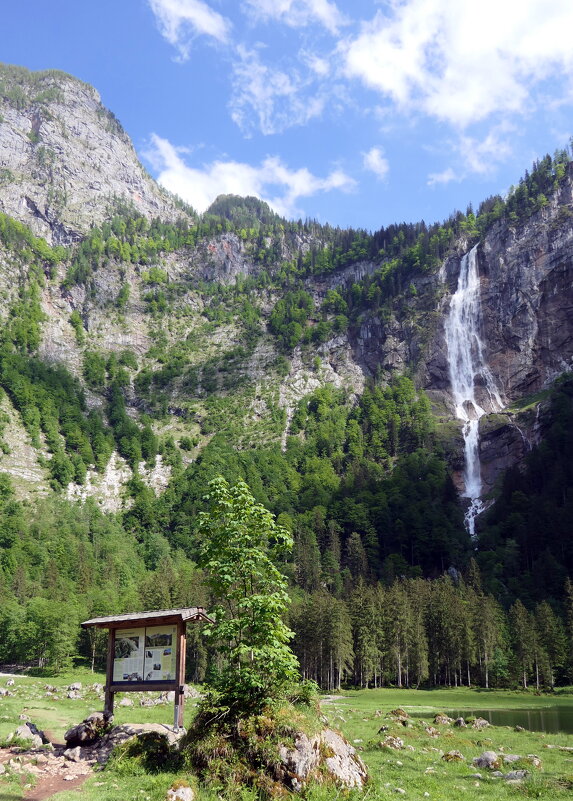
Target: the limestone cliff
(64, 157)
(65, 162)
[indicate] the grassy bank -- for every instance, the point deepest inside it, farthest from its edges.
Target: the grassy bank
(417, 768)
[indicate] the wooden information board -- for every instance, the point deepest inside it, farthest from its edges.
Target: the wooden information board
(146, 651)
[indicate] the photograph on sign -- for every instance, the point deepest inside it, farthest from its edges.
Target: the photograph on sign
(160, 653)
(129, 655)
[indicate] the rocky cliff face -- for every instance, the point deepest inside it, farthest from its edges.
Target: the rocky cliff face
(526, 274)
(65, 161)
(526, 296)
(64, 158)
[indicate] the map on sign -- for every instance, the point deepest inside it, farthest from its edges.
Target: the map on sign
(145, 654)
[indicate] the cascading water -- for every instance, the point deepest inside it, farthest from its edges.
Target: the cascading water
(468, 369)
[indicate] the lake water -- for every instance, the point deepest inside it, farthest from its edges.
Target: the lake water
(551, 719)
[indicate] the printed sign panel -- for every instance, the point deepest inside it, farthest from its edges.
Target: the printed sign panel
(160, 653)
(145, 654)
(128, 656)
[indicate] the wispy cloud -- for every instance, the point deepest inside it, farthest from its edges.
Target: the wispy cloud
(298, 13)
(276, 99)
(375, 161)
(481, 156)
(445, 177)
(475, 155)
(180, 21)
(272, 180)
(461, 62)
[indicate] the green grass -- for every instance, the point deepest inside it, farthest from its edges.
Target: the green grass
(58, 715)
(422, 770)
(529, 401)
(417, 771)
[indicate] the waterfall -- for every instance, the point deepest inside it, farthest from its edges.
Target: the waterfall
(469, 373)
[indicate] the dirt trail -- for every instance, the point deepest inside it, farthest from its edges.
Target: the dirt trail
(51, 772)
(46, 788)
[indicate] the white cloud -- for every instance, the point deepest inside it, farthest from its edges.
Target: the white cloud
(376, 162)
(272, 180)
(279, 100)
(298, 13)
(445, 177)
(317, 64)
(180, 21)
(482, 157)
(475, 156)
(462, 61)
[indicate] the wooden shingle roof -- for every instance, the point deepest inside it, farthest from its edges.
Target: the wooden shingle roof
(153, 617)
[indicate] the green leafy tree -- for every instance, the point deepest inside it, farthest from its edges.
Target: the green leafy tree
(240, 543)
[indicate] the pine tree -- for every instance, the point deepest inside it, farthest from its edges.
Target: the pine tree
(552, 640)
(522, 636)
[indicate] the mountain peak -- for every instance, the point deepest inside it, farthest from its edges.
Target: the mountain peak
(65, 159)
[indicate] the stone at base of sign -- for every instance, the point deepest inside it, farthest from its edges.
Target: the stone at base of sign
(89, 731)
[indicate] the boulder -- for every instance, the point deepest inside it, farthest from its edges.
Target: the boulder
(75, 686)
(74, 695)
(301, 760)
(30, 734)
(534, 760)
(489, 760)
(480, 723)
(4, 692)
(343, 764)
(518, 728)
(454, 756)
(460, 723)
(509, 758)
(121, 734)
(10, 683)
(180, 793)
(328, 752)
(392, 742)
(73, 754)
(89, 731)
(516, 774)
(442, 720)
(126, 702)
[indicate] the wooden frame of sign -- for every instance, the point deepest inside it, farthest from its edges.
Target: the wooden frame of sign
(146, 652)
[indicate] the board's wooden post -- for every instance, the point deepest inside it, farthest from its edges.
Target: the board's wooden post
(182, 641)
(109, 695)
(179, 677)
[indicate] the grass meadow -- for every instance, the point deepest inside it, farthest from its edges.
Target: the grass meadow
(416, 771)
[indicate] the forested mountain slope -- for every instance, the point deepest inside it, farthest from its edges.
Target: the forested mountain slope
(145, 348)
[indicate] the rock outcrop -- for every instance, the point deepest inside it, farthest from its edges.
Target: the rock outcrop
(64, 157)
(66, 163)
(328, 751)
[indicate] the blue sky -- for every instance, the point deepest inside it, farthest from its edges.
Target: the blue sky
(355, 112)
